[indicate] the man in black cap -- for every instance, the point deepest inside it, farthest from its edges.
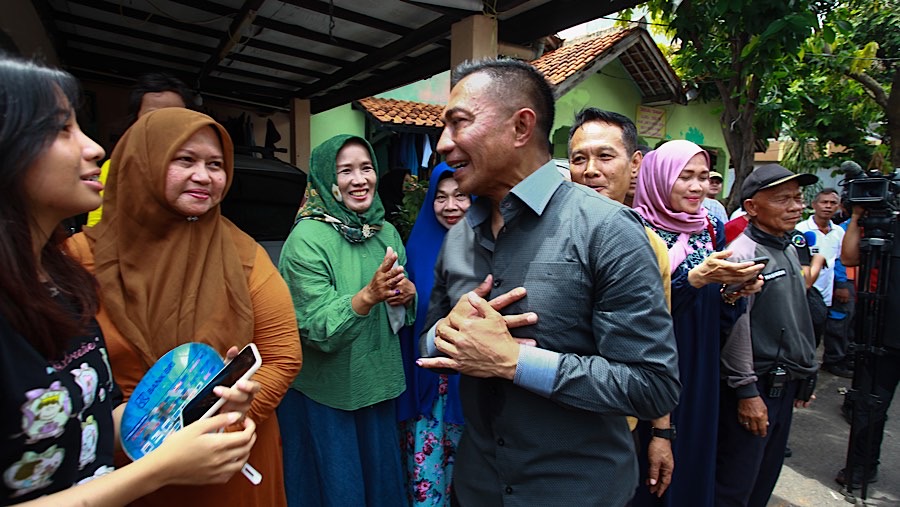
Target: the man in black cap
(768, 358)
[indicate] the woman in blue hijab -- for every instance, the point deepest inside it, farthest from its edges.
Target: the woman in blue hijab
(430, 409)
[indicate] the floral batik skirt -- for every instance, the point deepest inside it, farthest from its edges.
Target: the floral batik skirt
(429, 448)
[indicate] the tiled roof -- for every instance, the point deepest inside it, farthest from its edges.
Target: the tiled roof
(564, 67)
(564, 62)
(403, 112)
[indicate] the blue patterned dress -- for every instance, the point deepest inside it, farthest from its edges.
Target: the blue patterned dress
(429, 411)
(697, 316)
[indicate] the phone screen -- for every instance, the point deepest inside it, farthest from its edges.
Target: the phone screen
(227, 376)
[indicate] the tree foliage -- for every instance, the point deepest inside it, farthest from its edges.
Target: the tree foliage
(733, 50)
(817, 109)
(814, 71)
(838, 92)
(859, 47)
(413, 200)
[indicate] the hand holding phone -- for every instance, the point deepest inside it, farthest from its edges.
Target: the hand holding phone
(206, 403)
(731, 288)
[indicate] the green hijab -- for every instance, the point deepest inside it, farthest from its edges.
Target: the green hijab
(324, 198)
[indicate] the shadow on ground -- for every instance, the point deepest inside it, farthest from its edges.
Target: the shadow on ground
(819, 444)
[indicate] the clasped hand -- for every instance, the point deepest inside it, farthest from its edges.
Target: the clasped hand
(388, 284)
(475, 337)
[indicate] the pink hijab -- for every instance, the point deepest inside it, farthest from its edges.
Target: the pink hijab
(652, 198)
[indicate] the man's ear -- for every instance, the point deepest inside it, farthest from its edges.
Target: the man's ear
(525, 122)
(750, 207)
(636, 158)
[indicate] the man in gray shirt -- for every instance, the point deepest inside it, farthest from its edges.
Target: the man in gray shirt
(544, 424)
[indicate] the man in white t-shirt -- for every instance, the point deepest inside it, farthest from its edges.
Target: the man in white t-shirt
(711, 202)
(828, 244)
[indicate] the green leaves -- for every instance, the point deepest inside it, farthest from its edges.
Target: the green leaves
(865, 57)
(808, 69)
(754, 41)
(745, 53)
(828, 34)
(774, 28)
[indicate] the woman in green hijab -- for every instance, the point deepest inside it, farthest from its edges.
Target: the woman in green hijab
(344, 266)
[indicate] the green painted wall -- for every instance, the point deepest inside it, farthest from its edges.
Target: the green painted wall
(699, 123)
(434, 90)
(346, 120)
(614, 90)
(611, 89)
(340, 120)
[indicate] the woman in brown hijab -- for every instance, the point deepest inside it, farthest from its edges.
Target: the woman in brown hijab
(172, 270)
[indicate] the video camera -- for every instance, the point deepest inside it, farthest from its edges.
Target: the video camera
(869, 189)
(878, 193)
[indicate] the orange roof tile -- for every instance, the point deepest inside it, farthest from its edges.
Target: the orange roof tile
(404, 112)
(557, 66)
(563, 62)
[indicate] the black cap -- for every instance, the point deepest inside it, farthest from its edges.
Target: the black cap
(772, 175)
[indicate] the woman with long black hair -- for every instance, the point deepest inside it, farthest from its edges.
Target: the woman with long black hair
(58, 395)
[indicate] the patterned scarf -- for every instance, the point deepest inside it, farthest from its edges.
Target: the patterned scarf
(323, 197)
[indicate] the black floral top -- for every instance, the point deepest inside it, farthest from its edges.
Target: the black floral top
(56, 425)
(703, 243)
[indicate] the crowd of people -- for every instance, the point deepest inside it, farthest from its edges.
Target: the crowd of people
(596, 336)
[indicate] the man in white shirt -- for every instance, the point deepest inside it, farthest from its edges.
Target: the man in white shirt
(828, 243)
(711, 202)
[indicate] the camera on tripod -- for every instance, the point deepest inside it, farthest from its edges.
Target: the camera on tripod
(878, 193)
(868, 189)
(879, 239)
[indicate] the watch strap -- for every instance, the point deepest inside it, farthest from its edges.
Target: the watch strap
(667, 433)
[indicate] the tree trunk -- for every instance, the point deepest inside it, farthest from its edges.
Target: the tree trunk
(741, 149)
(737, 129)
(889, 103)
(739, 96)
(892, 112)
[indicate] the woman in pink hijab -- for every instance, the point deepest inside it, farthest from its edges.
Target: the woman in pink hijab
(671, 186)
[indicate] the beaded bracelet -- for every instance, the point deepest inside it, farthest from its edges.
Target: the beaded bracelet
(730, 299)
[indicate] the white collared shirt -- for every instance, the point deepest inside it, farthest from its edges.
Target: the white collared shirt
(829, 246)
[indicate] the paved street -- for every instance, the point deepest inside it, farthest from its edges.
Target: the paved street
(819, 442)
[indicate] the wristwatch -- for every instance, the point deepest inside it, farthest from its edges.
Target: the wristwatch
(667, 433)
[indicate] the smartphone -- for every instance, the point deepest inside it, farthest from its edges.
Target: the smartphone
(734, 287)
(758, 260)
(205, 403)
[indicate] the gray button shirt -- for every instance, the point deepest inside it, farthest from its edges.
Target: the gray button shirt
(593, 280)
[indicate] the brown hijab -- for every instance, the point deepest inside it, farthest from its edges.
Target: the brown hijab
(167, 279)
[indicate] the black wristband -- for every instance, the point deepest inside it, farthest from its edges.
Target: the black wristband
(666, 433)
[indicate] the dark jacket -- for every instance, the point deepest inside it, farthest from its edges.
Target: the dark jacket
(776, 327)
